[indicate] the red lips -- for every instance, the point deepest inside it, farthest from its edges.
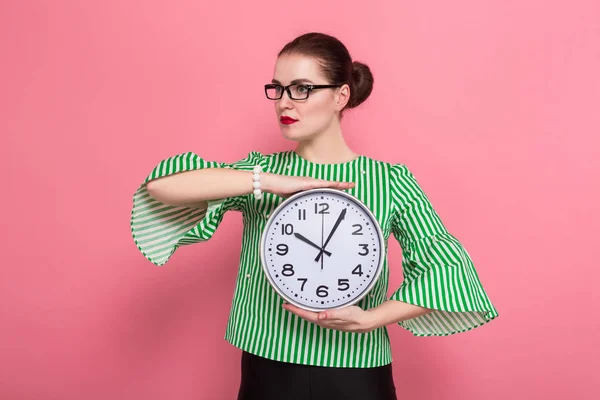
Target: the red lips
(287, 120)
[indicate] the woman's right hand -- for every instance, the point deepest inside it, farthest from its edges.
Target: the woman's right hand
(285, 186)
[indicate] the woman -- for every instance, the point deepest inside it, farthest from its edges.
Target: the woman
(290, 353)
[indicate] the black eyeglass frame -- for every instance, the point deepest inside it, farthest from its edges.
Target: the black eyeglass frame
(309, 86)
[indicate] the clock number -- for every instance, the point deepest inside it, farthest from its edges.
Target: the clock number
(303, 283)
(358, 231)
(301, 214)
(287, 229)
(357, 270)
(282, 249)
(323, 210)
(366, 248)
(322, 291)
(344, 283)
(288, 270)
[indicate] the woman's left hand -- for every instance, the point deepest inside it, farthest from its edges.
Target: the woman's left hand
(347, 319)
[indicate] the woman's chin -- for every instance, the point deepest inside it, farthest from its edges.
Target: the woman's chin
(290, 133)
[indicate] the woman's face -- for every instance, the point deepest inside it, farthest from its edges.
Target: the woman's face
(315, 114)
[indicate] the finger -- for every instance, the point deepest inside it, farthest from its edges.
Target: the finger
(344, 327)
(339, 322)
(347, 185)
(334, 185)
(342, 185)
(322, 319)
(334, 321)
(336, 314)
(339, 325)
(307, 315)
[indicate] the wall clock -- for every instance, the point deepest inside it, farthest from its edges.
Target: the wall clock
(321, 249)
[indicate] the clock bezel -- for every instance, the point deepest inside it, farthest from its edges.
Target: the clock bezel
(349, 197)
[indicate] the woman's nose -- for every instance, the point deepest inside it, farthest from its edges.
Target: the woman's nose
(285, 101)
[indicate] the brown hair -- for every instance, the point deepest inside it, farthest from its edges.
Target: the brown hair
(335, 62)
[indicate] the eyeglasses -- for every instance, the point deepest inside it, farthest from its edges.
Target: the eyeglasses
(296, 91)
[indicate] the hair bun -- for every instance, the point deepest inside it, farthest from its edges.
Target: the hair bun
(361, 85)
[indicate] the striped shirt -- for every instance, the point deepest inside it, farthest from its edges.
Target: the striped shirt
(437, 270)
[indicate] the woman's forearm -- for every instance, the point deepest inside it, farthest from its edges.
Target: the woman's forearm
(393, 311)
(197, 186)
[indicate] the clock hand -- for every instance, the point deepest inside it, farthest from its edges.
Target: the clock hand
(335, 226)
(304, 239)
(322, 232)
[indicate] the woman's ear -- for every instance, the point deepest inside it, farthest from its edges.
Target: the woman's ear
(342, 97)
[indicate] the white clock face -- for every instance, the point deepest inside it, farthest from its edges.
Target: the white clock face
(322, 249)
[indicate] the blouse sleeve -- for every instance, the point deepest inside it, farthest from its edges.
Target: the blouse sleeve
(438, 272)
(159, 229)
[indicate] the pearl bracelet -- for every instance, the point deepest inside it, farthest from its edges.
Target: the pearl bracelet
(256, 184)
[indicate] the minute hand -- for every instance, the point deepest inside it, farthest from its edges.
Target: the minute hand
(337, 223)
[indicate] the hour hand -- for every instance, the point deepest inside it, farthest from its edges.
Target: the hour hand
(304, 239)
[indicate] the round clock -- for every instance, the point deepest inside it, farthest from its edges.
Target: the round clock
(322, 249)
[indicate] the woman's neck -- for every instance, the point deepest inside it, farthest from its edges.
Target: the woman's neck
(326, 148)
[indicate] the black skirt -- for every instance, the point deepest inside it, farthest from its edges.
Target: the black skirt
(264, 379)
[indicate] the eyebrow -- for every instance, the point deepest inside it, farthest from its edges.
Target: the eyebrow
(294, 81)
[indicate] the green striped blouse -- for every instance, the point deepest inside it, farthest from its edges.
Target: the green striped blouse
(438, 272)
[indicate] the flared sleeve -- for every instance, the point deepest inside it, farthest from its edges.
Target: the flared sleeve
(159, 229)
(438, 272)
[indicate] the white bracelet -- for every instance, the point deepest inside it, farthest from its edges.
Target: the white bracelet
(256, 184)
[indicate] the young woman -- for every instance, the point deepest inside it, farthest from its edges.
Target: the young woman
(289, 353)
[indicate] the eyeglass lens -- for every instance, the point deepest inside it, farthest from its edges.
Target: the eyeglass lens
(299, 92)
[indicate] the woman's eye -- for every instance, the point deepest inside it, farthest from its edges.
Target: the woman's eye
(302, 88)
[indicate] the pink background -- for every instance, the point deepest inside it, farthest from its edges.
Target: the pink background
(494, 107)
